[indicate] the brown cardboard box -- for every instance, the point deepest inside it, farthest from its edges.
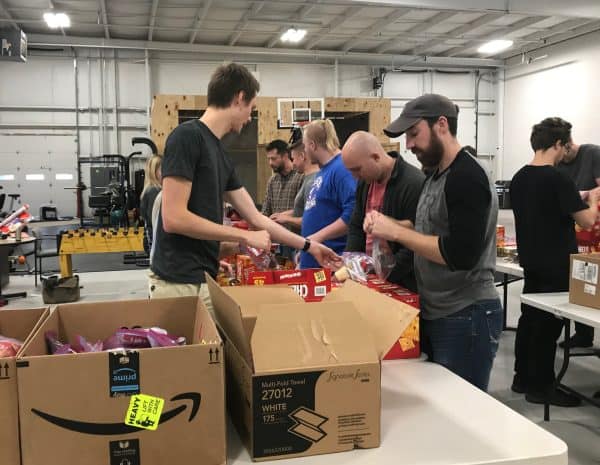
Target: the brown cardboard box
(584, 285)
(17, 324)
(73, 407)
(304, 378)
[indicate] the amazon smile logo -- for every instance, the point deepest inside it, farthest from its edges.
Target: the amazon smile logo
(110, 429)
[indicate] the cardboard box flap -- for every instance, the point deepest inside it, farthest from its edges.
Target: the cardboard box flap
(251, 298)
(229, 317)
(20, 324)
(387, 318)
(310, 335)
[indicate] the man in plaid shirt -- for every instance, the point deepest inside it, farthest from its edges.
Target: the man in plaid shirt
(285, 182)
(282, 187)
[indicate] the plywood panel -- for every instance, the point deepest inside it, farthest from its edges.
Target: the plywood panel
(263, 173)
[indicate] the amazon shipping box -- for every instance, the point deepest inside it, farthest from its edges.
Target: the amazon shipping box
(14, 324)
(152, 406)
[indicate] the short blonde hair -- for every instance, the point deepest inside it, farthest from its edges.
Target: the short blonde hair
(322, 132)
(150, 178)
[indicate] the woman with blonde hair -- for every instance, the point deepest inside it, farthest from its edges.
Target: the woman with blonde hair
(152, 186)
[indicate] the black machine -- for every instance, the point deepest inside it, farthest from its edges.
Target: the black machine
(112, 192)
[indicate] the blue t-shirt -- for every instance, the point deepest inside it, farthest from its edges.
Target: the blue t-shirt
(330, 197)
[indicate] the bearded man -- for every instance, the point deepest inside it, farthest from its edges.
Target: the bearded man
(454, 242)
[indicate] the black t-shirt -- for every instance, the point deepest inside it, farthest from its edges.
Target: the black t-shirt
(193, 152)
(543, 201)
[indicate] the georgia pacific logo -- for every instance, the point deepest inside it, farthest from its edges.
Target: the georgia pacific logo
(109, 429)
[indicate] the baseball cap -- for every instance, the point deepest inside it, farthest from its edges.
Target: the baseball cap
(425, 106)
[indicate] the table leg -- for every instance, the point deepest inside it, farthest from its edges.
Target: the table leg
(505, 295)
(66, 265)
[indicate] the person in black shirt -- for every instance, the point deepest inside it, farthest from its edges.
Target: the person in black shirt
(545, 204)
(198, 176)
(582, 165)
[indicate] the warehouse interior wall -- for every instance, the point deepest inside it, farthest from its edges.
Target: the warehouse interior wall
(559, 80)
(39, 134)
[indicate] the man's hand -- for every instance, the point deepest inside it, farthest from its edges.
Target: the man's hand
(594, 195)
(281, 217)
(325, 256)
(382, 226)
(258, 239)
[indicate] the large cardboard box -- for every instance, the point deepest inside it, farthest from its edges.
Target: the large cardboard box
(16, 324)
(583, 284)
(73, 407)
(305, 378)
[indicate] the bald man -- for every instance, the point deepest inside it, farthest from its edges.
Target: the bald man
(387, 184)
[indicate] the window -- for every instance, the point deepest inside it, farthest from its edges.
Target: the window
(64, 177)
(7, 177)
(34, 177)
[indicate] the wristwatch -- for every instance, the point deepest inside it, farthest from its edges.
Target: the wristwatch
(306, 245)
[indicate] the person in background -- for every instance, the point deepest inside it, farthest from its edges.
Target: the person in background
(581, 164)
(454, 242)
(388, 184)
(330, 199)
(282, 187)
(546, 204)
(303, 164)
(152, 186)
(198, 176)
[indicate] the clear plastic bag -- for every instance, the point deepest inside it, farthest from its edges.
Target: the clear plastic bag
(9, 346)
(357, 266)
(384, 260)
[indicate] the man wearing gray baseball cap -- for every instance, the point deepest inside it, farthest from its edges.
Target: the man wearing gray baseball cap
(454, 242)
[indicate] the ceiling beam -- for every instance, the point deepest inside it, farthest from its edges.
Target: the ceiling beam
(420, 27)
(152, 18)
(501, 34)
(5, 13)
(377, 27)
(333, 25)
(458, 32)
(250, 53)
(298, 16)
(560, 34)
(199, 19)
(104, 18)
(254, 9)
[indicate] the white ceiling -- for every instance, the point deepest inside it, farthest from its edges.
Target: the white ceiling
(348, 30)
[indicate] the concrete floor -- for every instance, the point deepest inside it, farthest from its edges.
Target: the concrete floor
(578, 427)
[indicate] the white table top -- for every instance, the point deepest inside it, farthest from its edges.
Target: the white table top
(12, 241)
(558, 304)
(511, 268)
(430, 416)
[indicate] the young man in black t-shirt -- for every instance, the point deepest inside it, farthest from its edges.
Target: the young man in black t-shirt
(545, 203)
(198, 176)
(582, 165)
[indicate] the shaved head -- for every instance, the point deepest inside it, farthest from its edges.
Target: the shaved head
(364, 156)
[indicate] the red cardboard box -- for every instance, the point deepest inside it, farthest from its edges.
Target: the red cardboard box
(311, 284)
(408, 344)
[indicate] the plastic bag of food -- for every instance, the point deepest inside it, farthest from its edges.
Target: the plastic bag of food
(55, 346)
(357, 266)
(384, 260)
(9, 346)
(263, 259)
(82, 345)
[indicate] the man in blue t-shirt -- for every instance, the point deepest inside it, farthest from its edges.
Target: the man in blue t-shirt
(330, 201)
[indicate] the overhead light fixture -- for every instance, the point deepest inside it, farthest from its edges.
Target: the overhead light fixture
(293, 35)
(495, 46)
(56, 20)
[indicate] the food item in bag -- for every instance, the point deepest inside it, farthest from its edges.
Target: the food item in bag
(384, 260)
(9, 346)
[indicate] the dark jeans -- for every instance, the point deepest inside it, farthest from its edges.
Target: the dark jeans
(466, 342)
(537, 333)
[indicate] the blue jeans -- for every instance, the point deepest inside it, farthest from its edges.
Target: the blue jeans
(466, 342)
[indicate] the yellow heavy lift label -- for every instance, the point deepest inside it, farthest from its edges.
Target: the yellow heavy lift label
(144, 411)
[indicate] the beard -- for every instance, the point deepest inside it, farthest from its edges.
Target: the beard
(432, 155)
(278, 169)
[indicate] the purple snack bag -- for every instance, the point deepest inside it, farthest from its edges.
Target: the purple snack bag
(55, 346)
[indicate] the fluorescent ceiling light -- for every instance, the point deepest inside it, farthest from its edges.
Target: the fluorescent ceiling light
(56, 20)
(64, 177)
(293, 35)
(495, 46)
(7, 177)
(34, 177)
